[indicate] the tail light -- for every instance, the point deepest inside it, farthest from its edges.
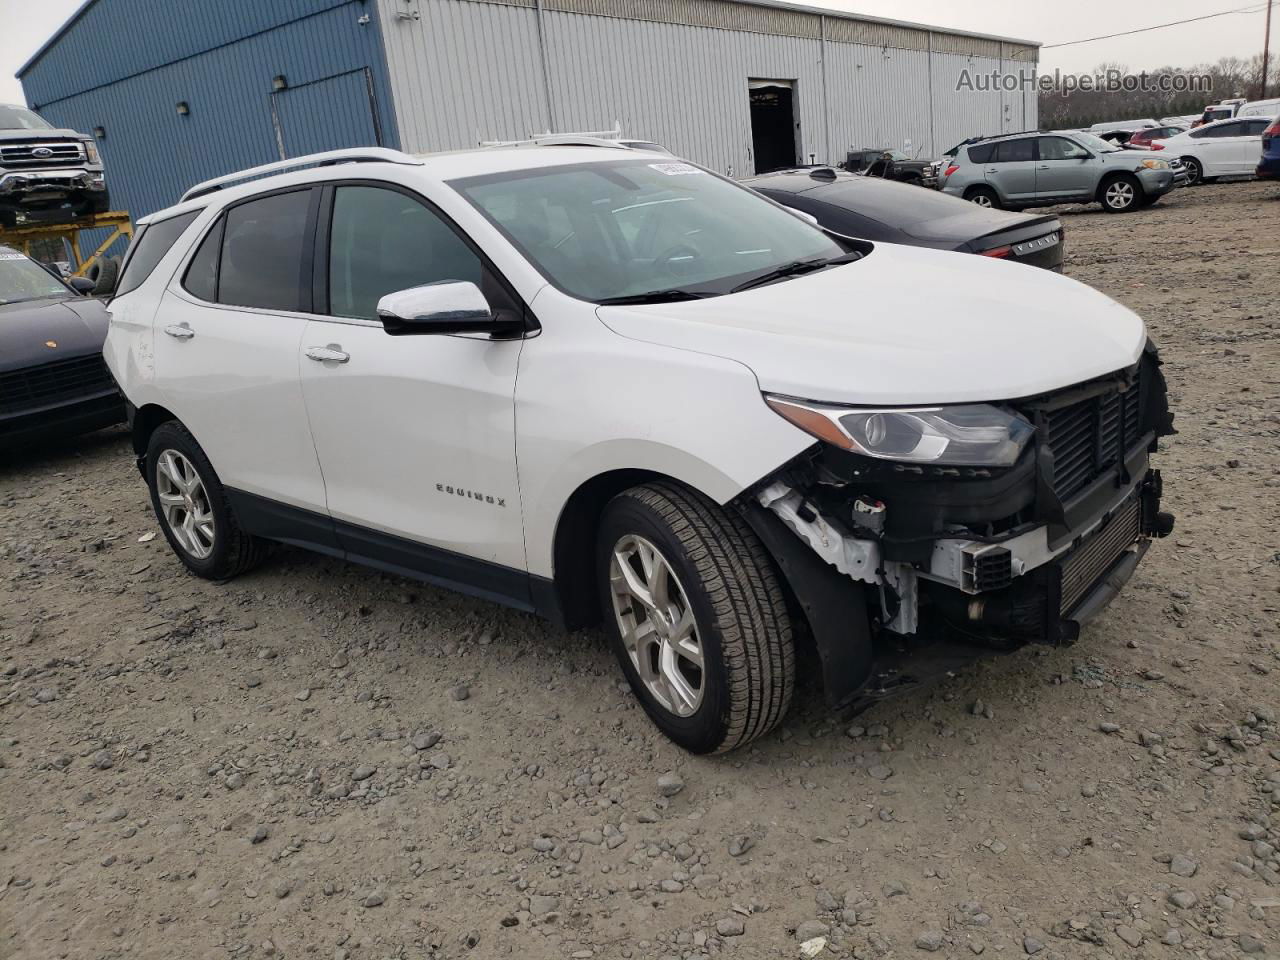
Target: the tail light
(1156, 145)
(951, 169)
(997, 252)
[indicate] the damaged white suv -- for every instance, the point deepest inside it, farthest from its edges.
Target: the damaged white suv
(603, 384)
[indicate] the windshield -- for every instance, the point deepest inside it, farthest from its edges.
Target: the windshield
(23, 279)
(1096, 144)
(626, 228)
(20, 118)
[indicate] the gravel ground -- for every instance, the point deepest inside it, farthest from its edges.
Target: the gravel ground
(317, 760)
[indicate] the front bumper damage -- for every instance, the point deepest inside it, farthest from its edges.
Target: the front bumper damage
(905, 572)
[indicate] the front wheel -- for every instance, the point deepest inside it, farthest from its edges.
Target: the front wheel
(697, 617)
(1121, 195)
(192, 507)
(1195, 172)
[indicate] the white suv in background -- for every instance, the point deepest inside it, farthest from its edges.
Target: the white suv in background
(600, 383)
(1225, 148)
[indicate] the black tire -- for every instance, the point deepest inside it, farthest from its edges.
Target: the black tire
(980, 194)
(104, 273)
(1195, 172)
(1120, 194)
(233, 550)
(739, 610)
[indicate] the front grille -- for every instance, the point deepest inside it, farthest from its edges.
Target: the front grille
(20, 156)
(1089, 561)
(52, 383)
(1090, 436)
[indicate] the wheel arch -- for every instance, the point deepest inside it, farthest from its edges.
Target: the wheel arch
(574, 541)
(146, 419)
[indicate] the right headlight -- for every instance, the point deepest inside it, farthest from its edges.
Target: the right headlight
(972, 434)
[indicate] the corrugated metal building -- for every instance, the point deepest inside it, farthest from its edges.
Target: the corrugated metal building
(177, 92)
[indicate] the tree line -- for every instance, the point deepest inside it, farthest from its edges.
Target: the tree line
(1229, 77)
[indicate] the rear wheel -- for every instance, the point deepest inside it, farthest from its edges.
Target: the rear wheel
(192, 507)
(1120, 194)
(983, 197)
(697, 617)
(1195, 172)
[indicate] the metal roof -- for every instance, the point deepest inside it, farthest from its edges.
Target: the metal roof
(774, 4)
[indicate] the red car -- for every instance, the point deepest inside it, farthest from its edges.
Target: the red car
(1141, 139)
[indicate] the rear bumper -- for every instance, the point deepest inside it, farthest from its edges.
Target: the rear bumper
(1269, 168)
(81, 415)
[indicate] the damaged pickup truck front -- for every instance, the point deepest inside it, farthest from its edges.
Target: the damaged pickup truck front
(972, 526)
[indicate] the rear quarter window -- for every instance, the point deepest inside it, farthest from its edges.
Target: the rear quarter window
(982, 152)
(153, 241)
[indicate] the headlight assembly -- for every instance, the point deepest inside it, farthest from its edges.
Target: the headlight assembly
(1154, 164)
(91, 151)
(977, 434)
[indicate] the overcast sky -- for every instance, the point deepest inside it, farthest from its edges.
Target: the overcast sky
(26, 24)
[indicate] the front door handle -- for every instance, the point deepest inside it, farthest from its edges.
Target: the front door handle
(180, 331)
(333, 353)
(1043, 166)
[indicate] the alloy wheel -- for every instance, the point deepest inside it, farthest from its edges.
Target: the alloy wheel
(657, 625)
(184, 502)
(981, 199)
(1121, 195)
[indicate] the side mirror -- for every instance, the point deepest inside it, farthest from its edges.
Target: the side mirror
(450, 306)
(81, 285)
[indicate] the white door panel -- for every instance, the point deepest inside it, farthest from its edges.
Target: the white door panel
(231, 376)
(417, 436)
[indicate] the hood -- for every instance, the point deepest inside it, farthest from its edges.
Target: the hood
(904, 325)
(28, 136)
(78, 325)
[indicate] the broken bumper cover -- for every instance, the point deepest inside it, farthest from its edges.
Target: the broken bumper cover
(974, 557)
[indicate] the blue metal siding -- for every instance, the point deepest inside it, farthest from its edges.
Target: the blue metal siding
(113, 39)
(151, 153)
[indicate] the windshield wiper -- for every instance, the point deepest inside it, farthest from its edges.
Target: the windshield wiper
(670, 295)
(795, 268)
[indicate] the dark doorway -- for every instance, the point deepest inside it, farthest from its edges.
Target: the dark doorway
(773, 128)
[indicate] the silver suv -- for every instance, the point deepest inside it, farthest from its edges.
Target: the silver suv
(47, 175)
(1039, 169)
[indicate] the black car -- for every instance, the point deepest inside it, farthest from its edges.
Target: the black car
(890, 165)
(52, 376)
(874, 209)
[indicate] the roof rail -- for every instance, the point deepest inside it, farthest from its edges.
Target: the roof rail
(328, 158)
(590, 138)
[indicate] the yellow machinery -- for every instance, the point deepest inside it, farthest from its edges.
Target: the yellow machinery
(117, 222)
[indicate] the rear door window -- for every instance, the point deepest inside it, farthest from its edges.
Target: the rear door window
(1014, 151)
(153, 241)
(1226, 130)
(264, 245)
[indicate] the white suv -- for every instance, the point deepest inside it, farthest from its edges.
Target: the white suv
(598, 383)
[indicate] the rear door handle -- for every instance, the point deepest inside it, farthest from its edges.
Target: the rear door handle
(333, 353)
(180, 331)
(1043, 166)
(993, 170)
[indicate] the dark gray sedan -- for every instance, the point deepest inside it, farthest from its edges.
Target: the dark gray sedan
(53, 380)
(879, 210)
